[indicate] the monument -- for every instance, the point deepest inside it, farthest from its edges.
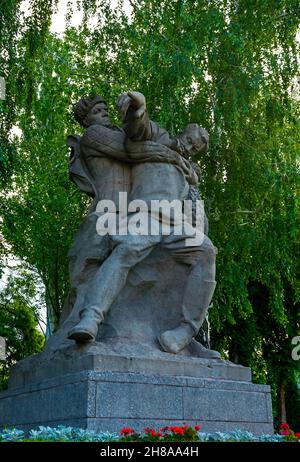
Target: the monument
(142, 273)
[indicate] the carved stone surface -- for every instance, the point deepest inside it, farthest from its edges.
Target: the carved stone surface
(149, 304)
(130, 331)
(144, 161)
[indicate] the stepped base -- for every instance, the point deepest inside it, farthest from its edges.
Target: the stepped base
(136, 392)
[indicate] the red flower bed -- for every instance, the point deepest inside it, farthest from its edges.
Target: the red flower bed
(288, 433)
(169, 433)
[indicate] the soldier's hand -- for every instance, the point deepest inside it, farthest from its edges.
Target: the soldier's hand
(133, 99)
(138, 100)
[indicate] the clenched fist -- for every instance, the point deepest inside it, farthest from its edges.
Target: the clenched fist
(134, 100)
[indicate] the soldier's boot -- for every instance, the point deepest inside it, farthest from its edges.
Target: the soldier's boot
(197, 349)
(174, 340)
(87, 328)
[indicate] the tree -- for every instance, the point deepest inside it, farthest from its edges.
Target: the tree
(230, 66)
(19, 319)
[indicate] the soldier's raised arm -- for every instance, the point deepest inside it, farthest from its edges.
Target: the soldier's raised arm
(132, 109)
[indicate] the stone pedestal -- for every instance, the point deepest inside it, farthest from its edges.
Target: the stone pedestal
(108, 392)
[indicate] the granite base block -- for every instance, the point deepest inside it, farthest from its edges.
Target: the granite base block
(108, 401)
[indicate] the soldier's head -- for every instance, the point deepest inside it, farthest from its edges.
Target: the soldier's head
(91, 111)
(194, 138)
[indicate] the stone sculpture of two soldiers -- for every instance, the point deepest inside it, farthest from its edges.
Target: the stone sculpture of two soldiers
(144, 161)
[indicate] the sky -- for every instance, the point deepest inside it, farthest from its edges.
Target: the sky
(58, 21)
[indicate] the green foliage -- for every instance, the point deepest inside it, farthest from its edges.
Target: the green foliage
(18, 322)
(293, 401)
(230, 66)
